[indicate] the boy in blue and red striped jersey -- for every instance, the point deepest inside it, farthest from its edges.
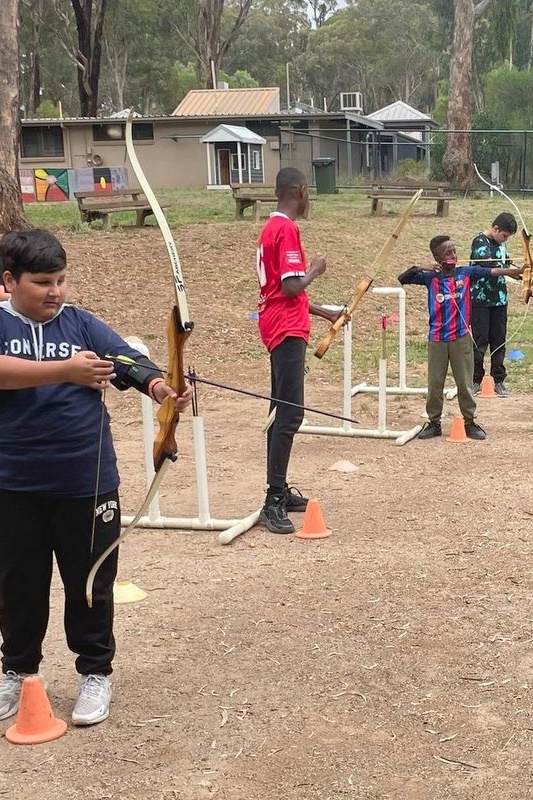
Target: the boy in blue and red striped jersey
(450, 340)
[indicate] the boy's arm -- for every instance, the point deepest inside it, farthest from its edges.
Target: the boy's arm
(325, 313)
(512, 272)
(85, 369)
(417, 275)
(294, 285)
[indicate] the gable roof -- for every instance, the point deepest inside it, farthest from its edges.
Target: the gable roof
(398, 112)
(228, 102)
(232, 133)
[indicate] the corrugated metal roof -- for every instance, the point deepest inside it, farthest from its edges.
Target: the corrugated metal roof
(234, 102)
(398, 112)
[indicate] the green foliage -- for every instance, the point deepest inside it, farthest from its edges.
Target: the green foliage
(378, 47)
(241, 79)
(47, 110)
(410, 168)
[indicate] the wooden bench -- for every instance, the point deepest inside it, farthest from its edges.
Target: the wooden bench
(399, 190)
(100, 205)
(252, 195)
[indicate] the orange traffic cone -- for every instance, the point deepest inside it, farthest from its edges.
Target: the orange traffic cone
(314, 526)
(35, 719)
(458, 433)
(487, 387)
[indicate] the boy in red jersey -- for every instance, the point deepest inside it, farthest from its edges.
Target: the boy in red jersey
(284, 327)
(450, 341)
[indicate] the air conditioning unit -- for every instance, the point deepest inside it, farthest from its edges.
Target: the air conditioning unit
(352, 101)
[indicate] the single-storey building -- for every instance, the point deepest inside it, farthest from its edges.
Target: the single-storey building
(213, 138)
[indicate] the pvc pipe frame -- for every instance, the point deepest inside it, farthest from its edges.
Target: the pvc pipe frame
(402, 387)
(230, 528)
(381, 432)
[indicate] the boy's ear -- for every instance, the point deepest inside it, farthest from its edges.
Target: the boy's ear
(7, 279)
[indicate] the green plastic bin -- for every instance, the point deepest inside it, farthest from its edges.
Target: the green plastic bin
(325, 175)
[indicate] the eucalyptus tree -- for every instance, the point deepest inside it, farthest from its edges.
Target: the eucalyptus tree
(11, 209)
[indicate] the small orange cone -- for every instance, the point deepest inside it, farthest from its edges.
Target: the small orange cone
(487, 387)
(35, 719)
(458, 433)
(314, 526)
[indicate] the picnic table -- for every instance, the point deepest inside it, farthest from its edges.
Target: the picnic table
(438, 192)
(100, 205)
(252, 195)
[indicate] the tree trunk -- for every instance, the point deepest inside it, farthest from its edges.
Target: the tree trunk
(11, 208)
(89, 53)
(457, 161)
(214, 46)
(35, 66)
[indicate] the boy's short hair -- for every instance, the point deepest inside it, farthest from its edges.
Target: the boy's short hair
(505, 222)
(288, 179)
(436, 242)
(35, 250)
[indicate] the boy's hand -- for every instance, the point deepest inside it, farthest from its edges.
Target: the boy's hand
(87, 369)
(318, 264)
(162, 390)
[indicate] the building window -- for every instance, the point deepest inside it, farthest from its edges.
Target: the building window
(235, 161)
(115, 132)
(42, 141)
(256, 161)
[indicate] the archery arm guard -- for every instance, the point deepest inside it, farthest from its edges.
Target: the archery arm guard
(142, 375)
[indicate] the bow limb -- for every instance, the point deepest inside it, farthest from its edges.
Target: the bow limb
(526, 238)
(178, 330)
(364, 285)
(152, 491)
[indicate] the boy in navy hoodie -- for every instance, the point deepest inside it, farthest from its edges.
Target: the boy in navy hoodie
(55, 440)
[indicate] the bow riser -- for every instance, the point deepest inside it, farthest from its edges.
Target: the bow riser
(165, 442)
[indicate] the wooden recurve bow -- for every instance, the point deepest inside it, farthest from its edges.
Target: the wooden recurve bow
(179, 328)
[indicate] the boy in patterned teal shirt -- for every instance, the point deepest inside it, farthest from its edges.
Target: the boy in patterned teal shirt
(489, 302)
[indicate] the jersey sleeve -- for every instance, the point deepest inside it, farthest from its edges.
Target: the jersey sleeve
(417, 276)
(291, 256)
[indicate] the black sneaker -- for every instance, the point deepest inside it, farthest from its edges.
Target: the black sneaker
(474, 431)
(476, 389)
(274, 515)
(294, 499)
(501, 389)
(430, 430)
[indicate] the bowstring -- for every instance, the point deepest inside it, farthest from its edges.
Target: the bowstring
(98, 466)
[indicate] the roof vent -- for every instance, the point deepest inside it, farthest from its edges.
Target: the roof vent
(352, 101)
(222, 85)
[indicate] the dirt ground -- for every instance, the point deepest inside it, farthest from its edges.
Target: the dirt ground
(391, 660)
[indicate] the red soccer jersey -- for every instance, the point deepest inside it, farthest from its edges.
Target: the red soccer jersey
(280, 255)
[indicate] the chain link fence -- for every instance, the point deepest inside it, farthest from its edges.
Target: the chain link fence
(363, 156)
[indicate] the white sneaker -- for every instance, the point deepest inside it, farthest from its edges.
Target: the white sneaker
(94, 697)
(10, 688)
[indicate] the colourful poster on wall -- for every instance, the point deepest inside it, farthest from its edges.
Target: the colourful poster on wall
(102, 179)
(119, 178)
(51, 185)
(27, 185)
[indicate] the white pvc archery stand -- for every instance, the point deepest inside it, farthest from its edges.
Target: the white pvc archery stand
(402, 388)
(230, 528)
(382, 431)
